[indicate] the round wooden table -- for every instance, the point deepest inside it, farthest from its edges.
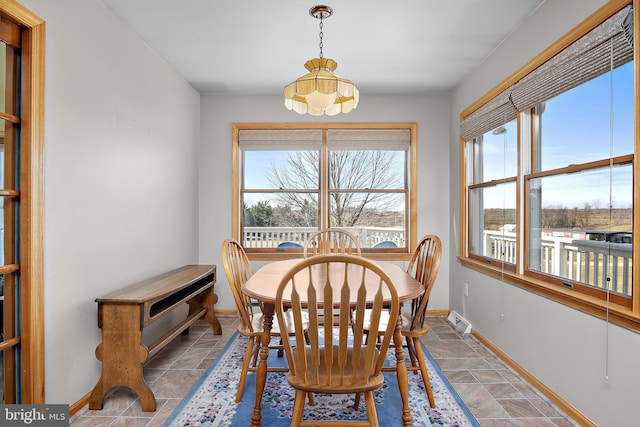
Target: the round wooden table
(263, 285)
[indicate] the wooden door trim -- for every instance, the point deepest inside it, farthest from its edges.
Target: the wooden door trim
(31, 198)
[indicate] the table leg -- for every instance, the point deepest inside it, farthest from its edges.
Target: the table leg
(403, 379)
(261, 374)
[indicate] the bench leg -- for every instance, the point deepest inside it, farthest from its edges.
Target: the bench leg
(122, 355)
(206, 299)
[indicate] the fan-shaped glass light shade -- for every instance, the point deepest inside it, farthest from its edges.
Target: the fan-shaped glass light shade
(321, 101)
(320, 91)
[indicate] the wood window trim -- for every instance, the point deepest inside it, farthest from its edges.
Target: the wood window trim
(614, 313)
(31, 198)
(413, 180)
(483, 258)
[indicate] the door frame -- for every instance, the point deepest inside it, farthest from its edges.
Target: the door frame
(31, 199)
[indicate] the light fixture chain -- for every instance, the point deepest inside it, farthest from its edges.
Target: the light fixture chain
(321, 34)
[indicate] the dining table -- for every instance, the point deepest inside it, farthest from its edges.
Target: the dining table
(262, 286)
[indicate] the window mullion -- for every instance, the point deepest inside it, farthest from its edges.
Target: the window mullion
(528, 132)
(325, 164)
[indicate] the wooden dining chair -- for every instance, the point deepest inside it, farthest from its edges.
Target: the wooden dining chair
(238, 270)
(424, 267)
(331, 241)
(338, 360)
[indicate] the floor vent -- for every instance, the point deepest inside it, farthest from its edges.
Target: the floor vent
(459, 322)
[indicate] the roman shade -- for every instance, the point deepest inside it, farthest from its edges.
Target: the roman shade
(311, 139)
(369, 139)
(279, 139)
(494, 113)
(604, 48)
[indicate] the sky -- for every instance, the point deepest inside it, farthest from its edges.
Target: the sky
(590, 122)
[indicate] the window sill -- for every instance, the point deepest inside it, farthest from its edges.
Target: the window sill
(616, 314)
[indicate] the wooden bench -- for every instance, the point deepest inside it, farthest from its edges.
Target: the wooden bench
(122, 315)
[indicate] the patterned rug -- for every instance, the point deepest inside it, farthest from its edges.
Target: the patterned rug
(211, 401)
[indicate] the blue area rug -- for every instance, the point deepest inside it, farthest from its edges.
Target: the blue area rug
(211, 401)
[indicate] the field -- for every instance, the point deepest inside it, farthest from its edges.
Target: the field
(567, 219)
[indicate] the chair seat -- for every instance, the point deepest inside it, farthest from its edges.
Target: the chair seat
(405, 324)
(338, 379)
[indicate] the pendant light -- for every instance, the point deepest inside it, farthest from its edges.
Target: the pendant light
(321, 92)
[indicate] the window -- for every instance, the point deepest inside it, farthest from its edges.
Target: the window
(293, 179)
(581, 200)
(549, 172)
(492, 195)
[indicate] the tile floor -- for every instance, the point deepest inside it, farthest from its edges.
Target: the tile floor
(494, 393)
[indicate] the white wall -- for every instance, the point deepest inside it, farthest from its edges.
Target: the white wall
(219, 112)
(121, 183)
(562, 347)
(122, 194)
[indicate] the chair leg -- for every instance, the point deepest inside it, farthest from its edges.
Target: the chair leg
(372, 412)
(298, 408)
(245, 367)
(256, 350)
(356, 403)
(412, 351)
(423, 370)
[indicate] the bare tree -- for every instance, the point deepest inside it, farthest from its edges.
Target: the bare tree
(349, 170)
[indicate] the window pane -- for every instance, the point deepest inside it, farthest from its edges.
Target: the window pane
(497, 154)
(3, 124)
(4, 51)
(581, 226)
(366, 169)
(273, 218)
(372, 217)
(493, 222)
(589, 122)
(1, 328)
(2, 259)
(2, 172)
(281, 169)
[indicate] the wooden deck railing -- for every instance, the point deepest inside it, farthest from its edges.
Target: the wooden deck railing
(264, 237)
(597, 263)
(586, 261)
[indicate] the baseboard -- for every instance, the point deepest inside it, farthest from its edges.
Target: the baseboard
(76, 407)
(226, 312)
(437, 313)
(575, 414)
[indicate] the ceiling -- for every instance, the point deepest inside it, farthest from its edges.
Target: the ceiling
(257, 47)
